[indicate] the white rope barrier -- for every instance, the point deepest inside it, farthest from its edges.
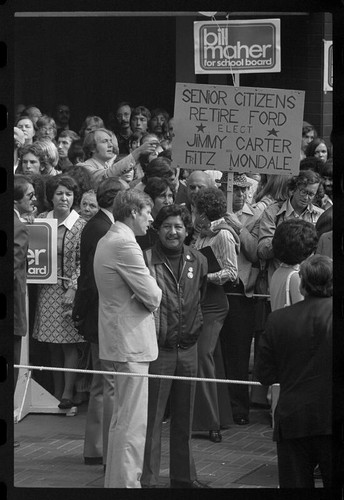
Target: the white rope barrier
(148, 375)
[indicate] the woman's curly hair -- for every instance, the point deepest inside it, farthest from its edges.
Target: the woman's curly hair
(210, 202)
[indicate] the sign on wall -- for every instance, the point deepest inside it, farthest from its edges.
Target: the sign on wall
(328, 65)
(245, 129)
(250, 46)
(42, 253)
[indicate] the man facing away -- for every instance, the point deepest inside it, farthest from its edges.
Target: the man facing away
(128, 295)
(85, 314)
(181, 272)
(295, 351)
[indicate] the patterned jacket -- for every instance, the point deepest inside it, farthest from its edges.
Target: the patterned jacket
(70, 253)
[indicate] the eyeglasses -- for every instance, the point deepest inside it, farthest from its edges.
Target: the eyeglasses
(47, 129)
(127, 170)
(304, 192)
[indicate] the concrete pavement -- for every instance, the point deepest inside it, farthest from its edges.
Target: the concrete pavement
(51, 447)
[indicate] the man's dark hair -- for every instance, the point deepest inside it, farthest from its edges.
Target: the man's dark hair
(304, 178)
(311, 163)
(76, 152)
(173, 211)
(108, 190)
(317, 276)
(157, 185)
(21, 183)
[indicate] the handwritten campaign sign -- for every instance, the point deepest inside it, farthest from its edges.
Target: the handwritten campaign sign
(42, 253)
(250, 130)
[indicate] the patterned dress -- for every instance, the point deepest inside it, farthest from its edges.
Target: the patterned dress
(50, 325)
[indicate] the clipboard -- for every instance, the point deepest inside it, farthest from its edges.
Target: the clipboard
(213, 265)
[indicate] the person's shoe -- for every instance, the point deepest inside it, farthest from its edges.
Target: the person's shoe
(93, 460)
(194, 484)
(240, 420)
(66, 404)
(215, 436)
(16, 444)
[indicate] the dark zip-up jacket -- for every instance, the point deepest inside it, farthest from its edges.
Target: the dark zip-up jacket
(179, 317)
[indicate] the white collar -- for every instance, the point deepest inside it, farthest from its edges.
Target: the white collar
(69, 221)
(109, 214)
(19, 216)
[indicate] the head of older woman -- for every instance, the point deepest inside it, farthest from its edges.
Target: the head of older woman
(294, 240)
(88, 205)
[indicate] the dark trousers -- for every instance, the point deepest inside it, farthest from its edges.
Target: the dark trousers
(182, 362)
(298, 457)
(236, 340)
(206, 410)
(100, 406)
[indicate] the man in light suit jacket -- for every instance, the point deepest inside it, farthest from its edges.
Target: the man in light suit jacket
(85, 315)
(24, 203)
(128, 295)
(295, 351)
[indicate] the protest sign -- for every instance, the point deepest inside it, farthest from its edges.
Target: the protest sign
(247, 130)
(42, 253)
(250, 46)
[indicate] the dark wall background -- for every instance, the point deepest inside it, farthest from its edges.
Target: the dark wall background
(94, 63)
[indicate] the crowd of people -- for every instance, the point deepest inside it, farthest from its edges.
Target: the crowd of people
(156, 274)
